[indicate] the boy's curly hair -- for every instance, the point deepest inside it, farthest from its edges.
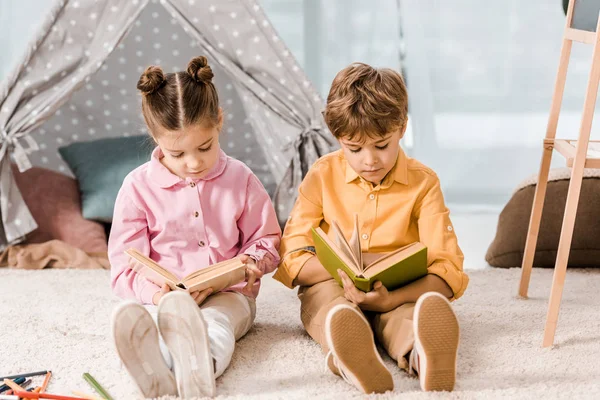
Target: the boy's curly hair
(366, 101)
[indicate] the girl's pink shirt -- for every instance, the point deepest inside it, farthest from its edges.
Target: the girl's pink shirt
(189, 224)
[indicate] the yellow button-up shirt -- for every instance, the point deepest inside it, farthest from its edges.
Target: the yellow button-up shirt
(406, 207)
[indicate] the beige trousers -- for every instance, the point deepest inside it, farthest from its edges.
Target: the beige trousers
(392, 329)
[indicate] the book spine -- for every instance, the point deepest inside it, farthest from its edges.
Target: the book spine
(362, 284)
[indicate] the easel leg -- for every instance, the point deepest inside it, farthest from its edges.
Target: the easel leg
(534, 221)
(562, 257)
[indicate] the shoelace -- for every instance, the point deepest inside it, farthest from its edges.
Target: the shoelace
(335, 362)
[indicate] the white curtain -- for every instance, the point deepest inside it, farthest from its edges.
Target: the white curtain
(19, 20)
(484, 74)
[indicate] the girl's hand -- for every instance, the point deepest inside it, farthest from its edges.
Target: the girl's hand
(376, 300)
(135, 265)
(158, 295)
(200, 296)
(253, 272)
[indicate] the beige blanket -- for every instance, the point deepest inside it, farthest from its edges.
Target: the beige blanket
(54, 254)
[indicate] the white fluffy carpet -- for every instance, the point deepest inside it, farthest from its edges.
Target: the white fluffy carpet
(60, 320)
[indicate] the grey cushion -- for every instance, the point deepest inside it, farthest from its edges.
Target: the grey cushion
(100, 167)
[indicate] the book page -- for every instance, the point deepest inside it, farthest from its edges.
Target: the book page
(150, 270)
(354, 243)
(331, 249)
(345, 247)
(214, 267)
(218, 276)
(379, 264)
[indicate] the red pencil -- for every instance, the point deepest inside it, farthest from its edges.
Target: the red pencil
(31, 395)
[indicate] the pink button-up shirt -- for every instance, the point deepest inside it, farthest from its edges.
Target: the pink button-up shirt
(189, 224)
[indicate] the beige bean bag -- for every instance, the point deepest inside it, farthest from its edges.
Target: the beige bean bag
(507, 247)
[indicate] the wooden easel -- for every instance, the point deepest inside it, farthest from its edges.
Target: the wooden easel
(575, 153)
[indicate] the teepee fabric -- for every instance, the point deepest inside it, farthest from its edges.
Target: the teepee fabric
(77, 83)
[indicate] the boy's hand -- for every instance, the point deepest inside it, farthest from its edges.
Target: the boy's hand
(158, 295)
(200, 296)
(253, 272)
(375, 300)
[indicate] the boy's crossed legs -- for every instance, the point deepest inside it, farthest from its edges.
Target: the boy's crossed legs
(436, 341)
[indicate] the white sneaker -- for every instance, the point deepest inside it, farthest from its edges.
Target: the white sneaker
(436, 342)
(185, 333)
(353, 351)
(136, 341)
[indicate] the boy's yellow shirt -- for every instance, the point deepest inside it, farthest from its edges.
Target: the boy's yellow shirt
(408, 206)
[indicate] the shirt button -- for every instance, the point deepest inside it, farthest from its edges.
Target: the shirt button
(192, 184)
(449, 228)
(201, 243)
(365, 236)
(196, 213)
(371, 196)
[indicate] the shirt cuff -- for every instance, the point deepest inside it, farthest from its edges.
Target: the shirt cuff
(455, 278)
(147, 292)
(291, 266)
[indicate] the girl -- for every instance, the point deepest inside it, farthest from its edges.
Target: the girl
(189, 207)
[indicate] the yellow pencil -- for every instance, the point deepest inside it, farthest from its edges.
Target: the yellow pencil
(85, 395)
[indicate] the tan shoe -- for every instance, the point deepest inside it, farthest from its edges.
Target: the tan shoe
(353, 351)
(436, 342)
(136, 341)
(184, 331)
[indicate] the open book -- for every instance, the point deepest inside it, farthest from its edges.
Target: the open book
(393, 269)
(217, 276)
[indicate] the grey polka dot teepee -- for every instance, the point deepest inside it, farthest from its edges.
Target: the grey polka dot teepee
(77, 83)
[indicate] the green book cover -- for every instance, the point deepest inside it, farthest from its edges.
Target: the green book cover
(397, 269)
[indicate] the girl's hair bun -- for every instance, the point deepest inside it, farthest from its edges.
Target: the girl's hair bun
(199, 70)
(151, 80)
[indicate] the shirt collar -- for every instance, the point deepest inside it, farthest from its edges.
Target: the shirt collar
(165, 178)
(399, 171)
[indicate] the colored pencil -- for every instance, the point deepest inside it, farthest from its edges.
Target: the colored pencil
(27, 375)
(7, 397)
(13, 385)
(85, 395)
(103, 393)
(29, 395)
(46, 380)
(5, 387)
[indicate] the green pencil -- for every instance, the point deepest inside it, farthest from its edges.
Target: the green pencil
(93, 383)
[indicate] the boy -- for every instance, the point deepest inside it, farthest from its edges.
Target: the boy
(398, 201)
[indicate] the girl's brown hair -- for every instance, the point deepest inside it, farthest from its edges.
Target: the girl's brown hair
(176, 100)
(366, 101)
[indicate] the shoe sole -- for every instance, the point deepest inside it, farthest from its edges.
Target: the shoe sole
(437, 335)
(350, 339)
(185, 333)
(136, 340)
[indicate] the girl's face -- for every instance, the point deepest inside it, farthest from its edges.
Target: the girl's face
(190, 152)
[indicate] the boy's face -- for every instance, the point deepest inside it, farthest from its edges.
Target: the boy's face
(373, 158)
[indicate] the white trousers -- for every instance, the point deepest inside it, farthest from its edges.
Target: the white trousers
(229, 316)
